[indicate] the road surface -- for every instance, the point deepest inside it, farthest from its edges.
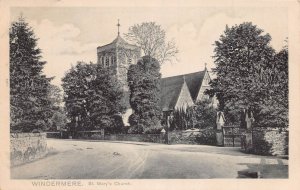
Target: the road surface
(76, 159)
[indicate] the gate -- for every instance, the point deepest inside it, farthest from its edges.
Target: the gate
(231, 136)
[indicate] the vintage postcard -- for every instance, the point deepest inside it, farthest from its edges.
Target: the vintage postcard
(149, 94)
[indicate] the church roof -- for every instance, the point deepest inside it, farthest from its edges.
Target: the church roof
(119, 41)
(170, 91)
(171, 88)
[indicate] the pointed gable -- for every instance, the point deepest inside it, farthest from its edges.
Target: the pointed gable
(184, 99)
(179, 90)
(194, 81)
(171, 86)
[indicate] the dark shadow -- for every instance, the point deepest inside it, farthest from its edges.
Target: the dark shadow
(264, 170)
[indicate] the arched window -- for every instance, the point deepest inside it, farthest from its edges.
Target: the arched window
(106, 61)
(113, 60)
(134, 59)
(102, 60)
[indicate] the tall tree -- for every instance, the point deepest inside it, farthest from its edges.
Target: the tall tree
(144, 84)
(152, 40)
(29, 87)
(246, 71)
(93, 97)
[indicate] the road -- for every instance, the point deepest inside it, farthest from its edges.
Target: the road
(75, 159)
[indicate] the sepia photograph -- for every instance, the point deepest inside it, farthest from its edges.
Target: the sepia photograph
(147, 92)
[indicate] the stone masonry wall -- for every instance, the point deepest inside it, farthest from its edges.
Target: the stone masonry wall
(268, 141)
(26, 147)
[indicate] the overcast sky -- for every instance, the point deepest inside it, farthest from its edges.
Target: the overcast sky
(68, 35)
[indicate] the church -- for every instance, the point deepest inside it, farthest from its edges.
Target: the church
(177, 92)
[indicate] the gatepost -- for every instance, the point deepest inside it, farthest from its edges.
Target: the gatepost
(247, 120)
(219, 132)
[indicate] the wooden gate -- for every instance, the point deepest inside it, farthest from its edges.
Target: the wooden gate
(232, 136)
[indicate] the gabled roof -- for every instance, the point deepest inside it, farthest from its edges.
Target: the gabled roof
(193, 81)
(171, 88)
(170, 91)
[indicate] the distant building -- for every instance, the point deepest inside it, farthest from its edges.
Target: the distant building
(186, 90)
(177, 92)
(118, 55)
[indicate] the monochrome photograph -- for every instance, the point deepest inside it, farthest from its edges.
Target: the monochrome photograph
(155, 92)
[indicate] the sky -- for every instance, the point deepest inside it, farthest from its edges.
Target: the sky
(70, 34)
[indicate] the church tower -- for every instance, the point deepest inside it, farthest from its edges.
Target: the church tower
(118, 56)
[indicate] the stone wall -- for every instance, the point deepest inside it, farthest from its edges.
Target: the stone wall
(154, 138)
(269, 141)
(26, 147)
(204, 136)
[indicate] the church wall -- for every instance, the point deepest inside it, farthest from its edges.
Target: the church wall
(204, 86)
(184, 100)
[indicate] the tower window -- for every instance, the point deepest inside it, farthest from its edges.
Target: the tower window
(114, 60)
(129, 60)
(102, 60)
(106, 61)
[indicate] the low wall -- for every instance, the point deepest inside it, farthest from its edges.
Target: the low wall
(26, 147)
(268, 141)
(205, 137)
(57, 135)
(154, 138)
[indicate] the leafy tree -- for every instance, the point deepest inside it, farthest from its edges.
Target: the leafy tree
(152, 40)
(204, 114)
(274, 110)
(58, 120)
(200, 116)
(247, 72)
(93, 97)
(144, 84)
(29, 87)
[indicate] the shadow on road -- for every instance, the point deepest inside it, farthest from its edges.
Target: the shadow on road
(264, 170)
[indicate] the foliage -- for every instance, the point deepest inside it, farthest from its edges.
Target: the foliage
(250, 75)
(144, 84)
(93, 97)
(58, 120)
(152, 40)
(29, 87)
(200, 116)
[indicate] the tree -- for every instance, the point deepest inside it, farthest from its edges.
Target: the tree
(247, 72)
(201, 116)
(58, 120)
(144, 84)
(93, 97)
(152, 40)
(274, 110)
(29, 87)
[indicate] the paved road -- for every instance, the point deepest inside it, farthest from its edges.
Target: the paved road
(72, 159)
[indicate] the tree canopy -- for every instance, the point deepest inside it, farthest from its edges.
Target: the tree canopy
(151, 38)
(30, 107)
(144, 84)
(93, 97)
(249, 73)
